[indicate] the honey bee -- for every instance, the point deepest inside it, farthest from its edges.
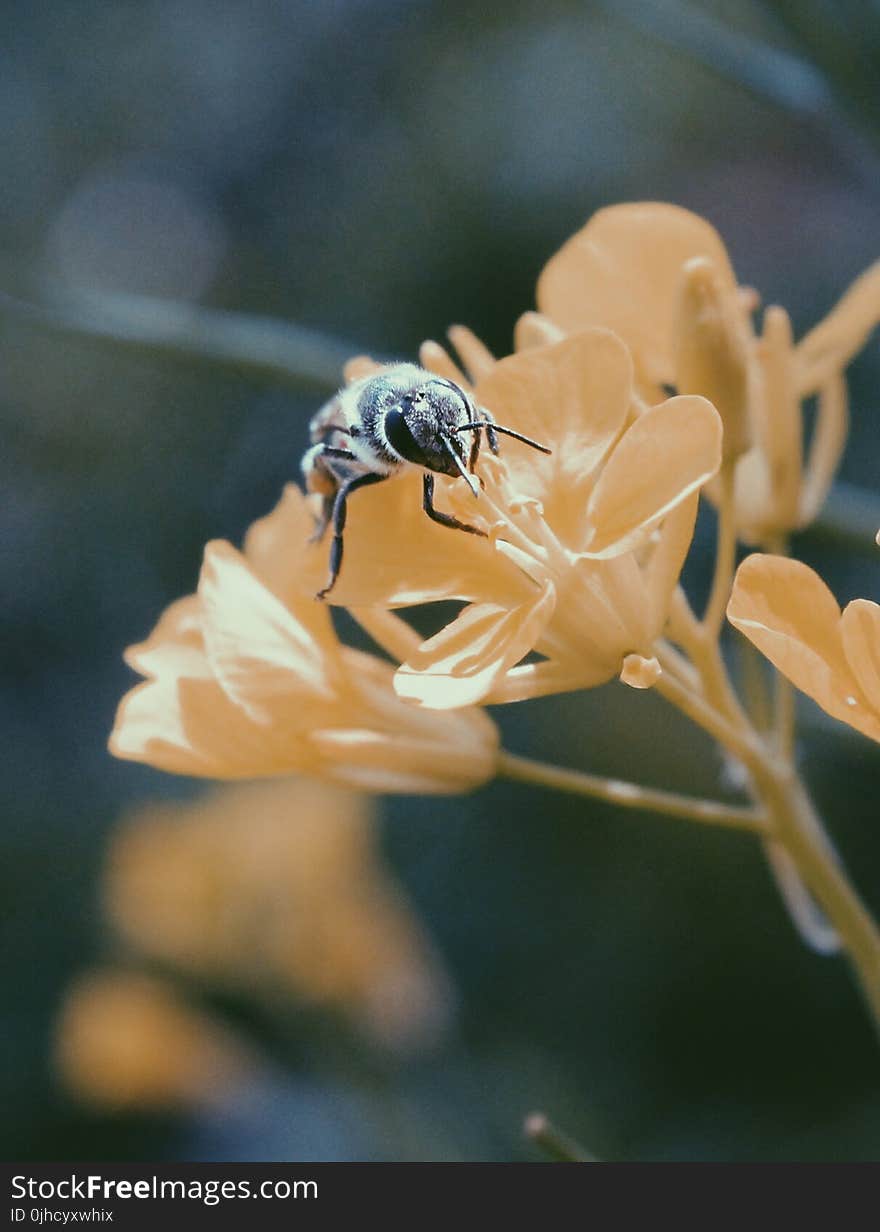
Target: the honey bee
(401, 417)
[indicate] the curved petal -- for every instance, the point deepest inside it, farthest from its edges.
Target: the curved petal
(622, 271)
(534, 330)
(667, 560)
(257, 649)
(396, 556)
(476, 356)
(787, 611)
(860, 629)
(461, 664)
(831, 344)
(437, 359)
(279, 550)
(661, 460)
(572, 396)
(179, 623)
(187, 725)
(400, 763)
(360, 366)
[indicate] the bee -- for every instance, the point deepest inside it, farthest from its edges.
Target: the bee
(380, 425)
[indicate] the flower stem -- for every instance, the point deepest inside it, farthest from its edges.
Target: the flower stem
(783, 692)
(793, 824)
(725, 556)
(553, 1142)
(629, 795)
(263, 347)
(798, 828)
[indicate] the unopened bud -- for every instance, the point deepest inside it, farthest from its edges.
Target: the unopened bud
(712, 353)
(639, 672)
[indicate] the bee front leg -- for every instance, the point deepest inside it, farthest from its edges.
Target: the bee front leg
(436, 515)
(338, 518)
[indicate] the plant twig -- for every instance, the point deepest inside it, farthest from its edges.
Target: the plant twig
(629, 795)
(259, 346)
(538, 1129)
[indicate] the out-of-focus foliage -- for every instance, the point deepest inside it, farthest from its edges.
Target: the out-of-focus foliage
(377, 170)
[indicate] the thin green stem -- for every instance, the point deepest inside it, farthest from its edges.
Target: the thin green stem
(264, 347)
(629, 795)
(794, 824)
(754, 684)
(798, 828)
(554, 1142)
(725, 556)
(742, 743)
(784, 715)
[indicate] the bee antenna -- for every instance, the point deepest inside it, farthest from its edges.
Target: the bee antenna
(517, 436)
(462, 469)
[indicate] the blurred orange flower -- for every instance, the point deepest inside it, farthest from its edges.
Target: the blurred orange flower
(788, 612)
(243, 684)
(127, 1041)
(278, 888)
(660, 277)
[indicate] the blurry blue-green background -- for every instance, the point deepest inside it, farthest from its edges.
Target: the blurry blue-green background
(377, 170)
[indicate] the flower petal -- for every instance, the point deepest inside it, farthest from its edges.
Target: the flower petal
(187, 725)
(667, 560)
(437, 359)
(360, 366)
(831, 344)
(476, 356)
(401, 764)
(461, 664)
(661, 460)
(258, 651)
(179, 623)
(572, 396)
(622, 271)
(787, 611)
(534, 330)
(860, 629)
(396, 556)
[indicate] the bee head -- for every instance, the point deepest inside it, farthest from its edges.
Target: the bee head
(420, 424)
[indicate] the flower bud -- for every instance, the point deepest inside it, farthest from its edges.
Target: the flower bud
(711, 351)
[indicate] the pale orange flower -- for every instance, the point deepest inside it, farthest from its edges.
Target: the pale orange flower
(660, 277)
(244, 684)
(126, 1041)
(583, 547)
(788, 612)
(278, 888)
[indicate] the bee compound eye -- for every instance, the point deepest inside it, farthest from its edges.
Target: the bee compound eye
(400, 438)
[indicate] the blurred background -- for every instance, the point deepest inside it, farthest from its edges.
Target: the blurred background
(214, 975)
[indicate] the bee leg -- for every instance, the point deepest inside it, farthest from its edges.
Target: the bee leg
(322, 480)
(436, 515)
(338, 518)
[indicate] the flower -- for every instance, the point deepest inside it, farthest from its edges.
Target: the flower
(583, 548)
(276, 888)
(127, 1041)
(243, 683)
(787, 611)
(660, 277)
